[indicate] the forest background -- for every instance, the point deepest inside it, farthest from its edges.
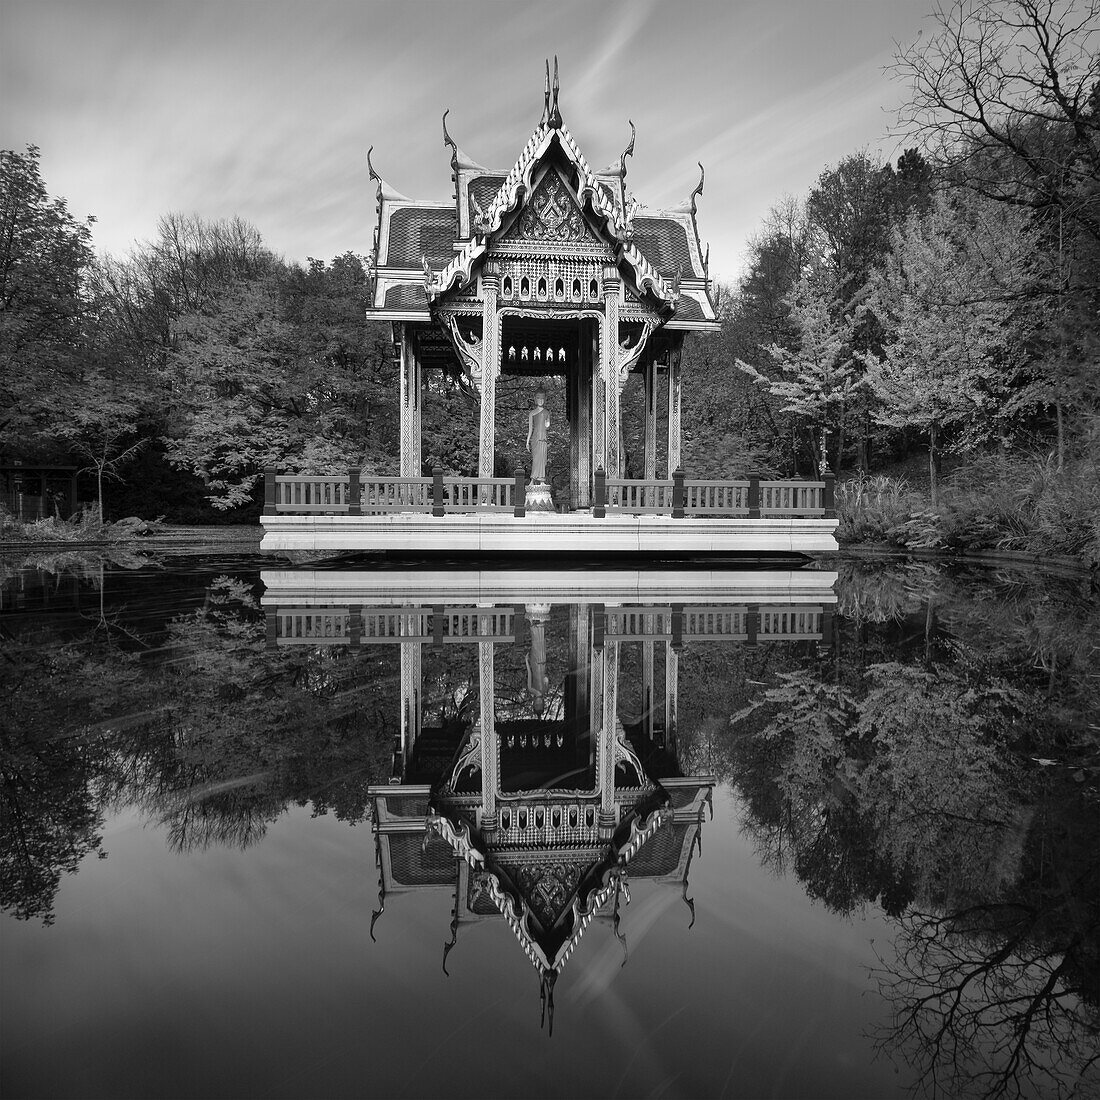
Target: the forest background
(930, 329)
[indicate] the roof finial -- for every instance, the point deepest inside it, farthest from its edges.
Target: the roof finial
(377, 179)
(698, 188)
(448, 140)
(627, 152)
(555, 115)
(546, 97)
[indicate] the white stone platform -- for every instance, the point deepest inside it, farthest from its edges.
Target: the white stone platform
(492, 532)
(323, 587)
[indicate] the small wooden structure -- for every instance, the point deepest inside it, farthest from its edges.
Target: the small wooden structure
(545, 269)
(36, 492)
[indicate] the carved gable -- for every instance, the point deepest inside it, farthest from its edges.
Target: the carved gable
(551, 215)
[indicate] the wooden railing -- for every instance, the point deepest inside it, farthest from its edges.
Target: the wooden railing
(473, 494)
(364, 625)
(355, 495)
(682, 497)
(639, 497)
(678, 497)
(439, 625)
(711, 624)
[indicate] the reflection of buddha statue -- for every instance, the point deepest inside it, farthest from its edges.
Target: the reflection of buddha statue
(538, 425)
(538, 682)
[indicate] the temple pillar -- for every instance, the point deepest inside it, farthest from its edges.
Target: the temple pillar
(490, 750)
(409, 372)
(648, 702)
(595, 701)
(609, 372)
(410, 692)
(596, 383)
(672, 681)
(674, 457)
(490, 368)
(584, 416)
(572, 414)
(609, 706)
(577, 678)
(650, 471)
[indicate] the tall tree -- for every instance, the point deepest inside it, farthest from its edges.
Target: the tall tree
(952, 300)
(1005, 94)
(45, 254)
(818, 379)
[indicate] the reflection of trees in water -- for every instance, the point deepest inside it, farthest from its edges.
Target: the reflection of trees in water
(913, 782)
(210, 733)
(998, 993)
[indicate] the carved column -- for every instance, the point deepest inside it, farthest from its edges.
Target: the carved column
(409, 371)
(579, 662)
(609, 363)
(672, 683)
(595, 704)
(410, 692)
(490, 368)
(605, 756)
(572, 413)
(610, 707)
(674, 458)
(596, 376)
(650, 472)
(584, 416)
(648, 702)
(490, 751)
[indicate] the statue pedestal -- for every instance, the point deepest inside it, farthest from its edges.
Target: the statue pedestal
(538, 498)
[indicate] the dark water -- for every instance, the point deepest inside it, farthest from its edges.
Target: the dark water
(897, 893)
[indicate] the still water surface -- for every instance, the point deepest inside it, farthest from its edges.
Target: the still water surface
(897, 891)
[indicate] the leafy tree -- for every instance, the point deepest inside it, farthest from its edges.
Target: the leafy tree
(951, 299)
(45, 255)
(820, 380)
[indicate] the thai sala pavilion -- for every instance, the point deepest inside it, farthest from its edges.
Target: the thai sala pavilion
(547, 270)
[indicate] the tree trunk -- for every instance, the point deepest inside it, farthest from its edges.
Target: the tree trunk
(99, 492)
(839, 449)
(934, 465)
(1061, 435)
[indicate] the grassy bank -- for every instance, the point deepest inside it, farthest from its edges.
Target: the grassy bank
(993, 504)
(84, 529)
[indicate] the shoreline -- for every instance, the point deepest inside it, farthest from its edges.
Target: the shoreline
(249, 538)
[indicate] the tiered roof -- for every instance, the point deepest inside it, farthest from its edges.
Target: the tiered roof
(428, 252)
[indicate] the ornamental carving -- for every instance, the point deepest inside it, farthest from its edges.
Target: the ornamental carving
(548, 888)
(551, 214)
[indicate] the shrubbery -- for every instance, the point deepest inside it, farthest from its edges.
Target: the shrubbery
(994, 503)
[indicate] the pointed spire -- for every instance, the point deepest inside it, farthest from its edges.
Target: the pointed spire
(546, 997)
(627, 152)
(546, 97)
(554, 121)
(698, 188)
(448, 140)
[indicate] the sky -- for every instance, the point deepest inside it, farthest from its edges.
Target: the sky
(265, 109)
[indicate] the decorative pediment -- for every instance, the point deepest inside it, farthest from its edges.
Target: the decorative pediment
(550, 215)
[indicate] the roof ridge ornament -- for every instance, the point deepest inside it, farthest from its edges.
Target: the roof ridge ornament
(554, 118)
(546, 97)
(698, 189)
(385, 191)
(459, 157)
(627, 216)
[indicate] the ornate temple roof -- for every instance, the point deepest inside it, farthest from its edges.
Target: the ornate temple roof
(425, 251)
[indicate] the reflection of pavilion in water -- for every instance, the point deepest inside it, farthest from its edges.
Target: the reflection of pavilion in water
(537, 804)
